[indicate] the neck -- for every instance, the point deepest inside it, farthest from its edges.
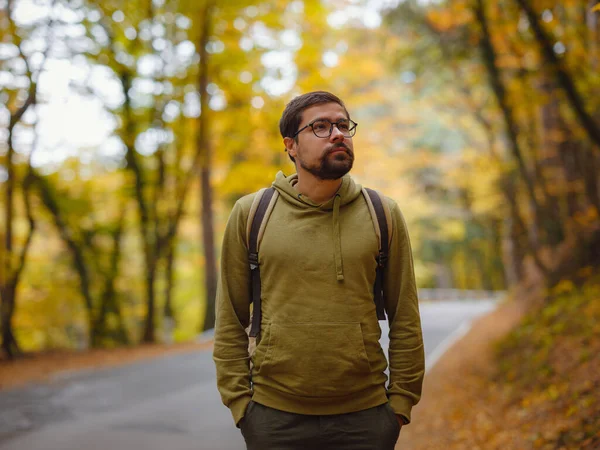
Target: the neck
(319, 191)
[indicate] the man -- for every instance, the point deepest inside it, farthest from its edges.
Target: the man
(318, 372)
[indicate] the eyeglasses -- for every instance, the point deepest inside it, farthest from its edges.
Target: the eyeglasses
(322, 128)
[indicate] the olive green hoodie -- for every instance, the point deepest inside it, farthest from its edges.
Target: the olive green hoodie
(318, 351)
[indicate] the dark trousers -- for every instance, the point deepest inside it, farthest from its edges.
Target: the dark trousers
(266, 428)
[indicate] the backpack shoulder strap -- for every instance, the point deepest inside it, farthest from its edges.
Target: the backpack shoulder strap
(261, 209)
(380, 214)
(381, 217)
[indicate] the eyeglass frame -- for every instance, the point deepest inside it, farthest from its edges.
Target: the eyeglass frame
(331, 124)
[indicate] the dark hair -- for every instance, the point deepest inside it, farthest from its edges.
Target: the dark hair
(292, 114)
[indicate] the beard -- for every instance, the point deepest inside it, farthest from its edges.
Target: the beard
(332, 167)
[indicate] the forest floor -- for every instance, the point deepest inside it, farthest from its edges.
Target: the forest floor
(45, 366)
(520, 379)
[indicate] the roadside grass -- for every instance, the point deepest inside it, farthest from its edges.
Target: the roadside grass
(518, 380)
(549, 369)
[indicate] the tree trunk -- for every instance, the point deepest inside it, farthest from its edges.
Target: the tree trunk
(496, 250)
(489, 57)
(8, 287)
(443, 275)
(520, 237)
(7, 292)
(593, 25)
(203, 142)
(149, 335)
(517, 236)
(11, 266)
(209, 250)
(109, 303)
(9, 342)
(72, 245)
(150, 255)
(511, 251)
(534, 136)
(120, 333)
(169, 279)
(562, 76)
(552, 143)
(168, 314)
(591, 168)
(568, 153)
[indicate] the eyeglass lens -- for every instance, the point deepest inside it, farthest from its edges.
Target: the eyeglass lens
(324, 128)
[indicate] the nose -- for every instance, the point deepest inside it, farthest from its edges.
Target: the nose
(336, 134)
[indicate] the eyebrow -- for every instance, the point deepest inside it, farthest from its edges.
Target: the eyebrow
(327, 118)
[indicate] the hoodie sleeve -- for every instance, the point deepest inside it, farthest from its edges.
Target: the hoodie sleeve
(230, 352)
(406, 352)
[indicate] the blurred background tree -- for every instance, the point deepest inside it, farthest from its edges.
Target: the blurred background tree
(128, 129)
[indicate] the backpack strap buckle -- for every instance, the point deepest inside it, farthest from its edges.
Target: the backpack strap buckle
(382, 259)
(253, 260)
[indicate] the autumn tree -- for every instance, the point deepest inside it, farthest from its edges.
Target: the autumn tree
(19, 100)
(518, 59)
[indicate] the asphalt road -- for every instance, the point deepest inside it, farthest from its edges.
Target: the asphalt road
(168, 403)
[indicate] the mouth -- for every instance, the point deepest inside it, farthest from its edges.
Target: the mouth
(339, 149)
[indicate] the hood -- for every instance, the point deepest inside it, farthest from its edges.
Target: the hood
(347, 193)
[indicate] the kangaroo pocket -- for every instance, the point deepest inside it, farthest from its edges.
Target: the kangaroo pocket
(315, 360)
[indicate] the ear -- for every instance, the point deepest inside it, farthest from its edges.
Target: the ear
(290, 146)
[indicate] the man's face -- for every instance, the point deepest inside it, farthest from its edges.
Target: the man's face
(325, 158)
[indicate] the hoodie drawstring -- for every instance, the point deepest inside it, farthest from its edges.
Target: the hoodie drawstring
(337, 238)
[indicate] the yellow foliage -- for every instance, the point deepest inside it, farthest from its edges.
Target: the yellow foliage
(442, 19)
(453, 230)
(587, 218)
(563, 287)
(247, 177)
